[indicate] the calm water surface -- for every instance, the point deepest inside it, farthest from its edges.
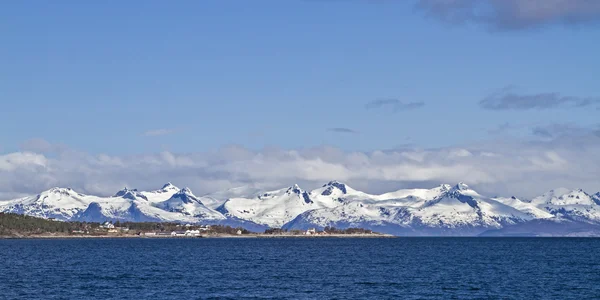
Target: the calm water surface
(405, 268)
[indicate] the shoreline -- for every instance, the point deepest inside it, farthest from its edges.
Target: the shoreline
(226, 236)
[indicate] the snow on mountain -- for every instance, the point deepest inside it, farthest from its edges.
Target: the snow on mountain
(462, 206)
(273, 208)
(525, 207)
(57, 203)
(336, 190)
(444, 209)
(130, 194)
(133, 206)
(563, 196)
(425, 194)
(217, 199)
(124, 209)
(186, 203)
(574, 205)
(166, 204)
(166, 192)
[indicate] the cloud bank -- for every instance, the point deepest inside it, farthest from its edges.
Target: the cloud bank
(513, 14)
(508, 99)
(507, 168)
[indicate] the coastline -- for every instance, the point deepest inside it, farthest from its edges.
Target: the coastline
(70, 236)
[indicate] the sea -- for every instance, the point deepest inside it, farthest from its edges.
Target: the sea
(300, 268)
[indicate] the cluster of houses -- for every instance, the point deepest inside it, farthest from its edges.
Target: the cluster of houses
(190, 230)
(181, 233)
(111, 228)
(313, 231)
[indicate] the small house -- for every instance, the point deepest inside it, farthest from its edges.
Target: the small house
(107, 225)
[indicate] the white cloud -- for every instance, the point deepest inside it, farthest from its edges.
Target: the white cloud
(500, 168)
(22, 160)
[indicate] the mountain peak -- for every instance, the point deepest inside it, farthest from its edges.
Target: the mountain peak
(461, 186)
(445, 187)
(168, 186)
(186, 191)
(558, 191)
(129, 194)
(565, 196)
(186, 196)
(334, 184)
(122, 192)
(295, 189)
(60, 190)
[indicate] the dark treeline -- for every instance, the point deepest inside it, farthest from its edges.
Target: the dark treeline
(347, 230)
(15, 224)
(20, 224)
(168, 227)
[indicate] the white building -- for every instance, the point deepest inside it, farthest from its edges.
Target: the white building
(192, 232)
(107, 225)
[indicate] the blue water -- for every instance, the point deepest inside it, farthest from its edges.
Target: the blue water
(405, 268)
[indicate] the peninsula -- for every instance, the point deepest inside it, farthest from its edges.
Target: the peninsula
(22, 226)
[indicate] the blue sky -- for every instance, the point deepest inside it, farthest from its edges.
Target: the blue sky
(128, 78)
(96, 76)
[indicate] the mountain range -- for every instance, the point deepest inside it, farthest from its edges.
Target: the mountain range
(446, 210)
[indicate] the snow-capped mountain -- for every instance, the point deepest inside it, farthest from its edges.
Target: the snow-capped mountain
(123, 209)
(217, 199)
(273, 208)
(443, 210)
(524, 206)
(184, 202)
(440, 210)
(162, 194)
(166, 204)
(574, 205)
(56, 203)
(133, 205)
